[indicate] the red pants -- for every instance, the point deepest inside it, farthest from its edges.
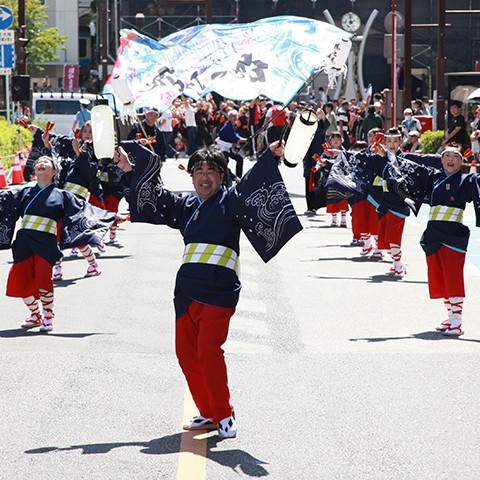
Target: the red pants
(364, 218)
(390, 230)
(111, 203)
(445, 273)
(337, 207)
(26, 278)
(199, 335)
(96, 202)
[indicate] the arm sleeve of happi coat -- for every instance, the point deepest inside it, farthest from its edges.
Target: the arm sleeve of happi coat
(83, 224)
(10, 202)
(474, 180)
(264, 209)
(62, 145)
(409, 180)
(429, 160)
(351, 173)
(149, 200)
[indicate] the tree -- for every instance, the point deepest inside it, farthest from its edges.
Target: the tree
(43, 42)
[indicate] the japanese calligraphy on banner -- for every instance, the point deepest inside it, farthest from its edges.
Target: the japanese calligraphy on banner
(271, 57)
(70, 77)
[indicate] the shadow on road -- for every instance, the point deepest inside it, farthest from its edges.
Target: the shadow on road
(372, 279)
(20, 332)
(235, 459)
(418, 336)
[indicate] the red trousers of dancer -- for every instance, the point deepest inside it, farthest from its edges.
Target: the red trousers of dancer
(111, 203)
(27, 277)
(445, 273)
(337, 207)
(96, 202)
(364, 218)
(390, 230)
(199, 335)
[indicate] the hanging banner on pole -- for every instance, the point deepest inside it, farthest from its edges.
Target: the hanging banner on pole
(70, 77)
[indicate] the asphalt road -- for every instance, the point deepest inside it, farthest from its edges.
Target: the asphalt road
(335, 369)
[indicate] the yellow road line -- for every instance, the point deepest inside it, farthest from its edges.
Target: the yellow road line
(192, 459)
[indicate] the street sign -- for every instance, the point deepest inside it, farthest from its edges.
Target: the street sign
(6, 56)
(7, 37)
(6, 17)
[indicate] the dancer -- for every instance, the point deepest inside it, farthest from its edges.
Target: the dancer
(207, 287)
(44, 208)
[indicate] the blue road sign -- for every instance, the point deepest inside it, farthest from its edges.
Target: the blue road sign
(6, 17)
(7, 59)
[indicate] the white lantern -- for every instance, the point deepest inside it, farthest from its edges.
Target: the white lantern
(103, 131)
(338, 57)
(300, 137)
(122, 90)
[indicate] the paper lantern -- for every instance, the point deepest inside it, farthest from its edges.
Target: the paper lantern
(300, 137)
(122, 90)
(338, 57)
(103, 131)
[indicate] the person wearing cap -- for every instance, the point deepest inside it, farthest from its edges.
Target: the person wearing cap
(83, 115)
(148, 132)
(457, 126)
(207, 286)
(229, 139)
(445, 239)
(49, 215)
(409, 123)
(412, 142)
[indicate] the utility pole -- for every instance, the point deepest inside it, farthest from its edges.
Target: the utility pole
(407, 66)
(441, 66)
(103, 33)
(208, 11)
(21, 40)
(393, 105)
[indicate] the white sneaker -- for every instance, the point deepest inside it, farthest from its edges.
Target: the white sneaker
(441, 327)
(199, 423)
(227, 428)
(74, 252)
(102, 248)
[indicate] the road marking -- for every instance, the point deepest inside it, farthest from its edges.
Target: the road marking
(192, 459)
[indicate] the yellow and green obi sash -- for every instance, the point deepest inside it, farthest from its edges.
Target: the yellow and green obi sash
(40, 224)
(442, 213)
(211, 254)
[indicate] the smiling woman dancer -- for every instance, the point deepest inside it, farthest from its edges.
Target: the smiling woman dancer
(45, 210)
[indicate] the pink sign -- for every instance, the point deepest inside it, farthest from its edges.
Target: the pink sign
(70, 81)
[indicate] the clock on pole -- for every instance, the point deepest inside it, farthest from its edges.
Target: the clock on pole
(351, 22)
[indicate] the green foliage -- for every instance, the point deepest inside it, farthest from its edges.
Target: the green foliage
(44, 42)
(12, 139)
(431, 141)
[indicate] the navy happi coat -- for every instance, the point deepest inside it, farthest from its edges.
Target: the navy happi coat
(259, 205)
(82, 223)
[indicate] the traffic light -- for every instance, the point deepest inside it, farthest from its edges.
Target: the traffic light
(20, 88)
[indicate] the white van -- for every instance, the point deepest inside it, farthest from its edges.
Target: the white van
(59, 108)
